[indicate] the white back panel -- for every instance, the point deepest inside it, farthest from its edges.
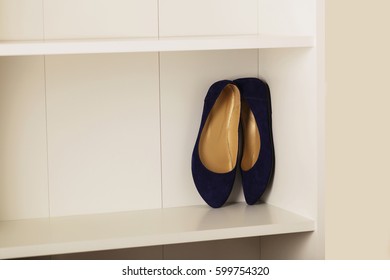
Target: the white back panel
(21, 19)
(141, 253)
(207, 17)
(103, 131)
(100, 19)
(287, 17)
(227, 249)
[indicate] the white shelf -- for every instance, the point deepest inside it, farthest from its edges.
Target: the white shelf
(72, 234)
(59, 47)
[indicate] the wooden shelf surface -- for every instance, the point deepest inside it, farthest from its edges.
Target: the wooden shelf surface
(71, 234)
(94, 46)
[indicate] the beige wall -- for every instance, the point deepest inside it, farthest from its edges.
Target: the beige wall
(358, 129)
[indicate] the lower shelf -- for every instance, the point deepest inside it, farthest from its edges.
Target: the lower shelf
(72, 234)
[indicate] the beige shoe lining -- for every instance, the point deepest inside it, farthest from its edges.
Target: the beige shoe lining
(251, 138)
(218, 144)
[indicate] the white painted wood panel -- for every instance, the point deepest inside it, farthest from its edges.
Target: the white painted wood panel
(21, 20)
(207, 17)
(295, 246)
(141, 253)
(92, 46)
(23, 158)
(62, 235)
(185, 80)
(69, 19)
(103, 133)
(104, 125)
(287, 17)
(298, 78)
(291, 75)
(228, 249)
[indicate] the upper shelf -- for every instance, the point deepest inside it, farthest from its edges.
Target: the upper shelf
(61, 235)
(60, 47)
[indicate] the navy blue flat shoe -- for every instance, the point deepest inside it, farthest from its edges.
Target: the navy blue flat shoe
(214, 156)
(258, 156)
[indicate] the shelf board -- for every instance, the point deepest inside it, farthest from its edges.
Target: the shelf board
(72, 234)
(60, 47)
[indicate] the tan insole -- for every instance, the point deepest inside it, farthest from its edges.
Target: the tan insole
(218, 144)
(251, 138)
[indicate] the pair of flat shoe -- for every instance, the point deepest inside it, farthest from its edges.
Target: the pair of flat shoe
(215, 155)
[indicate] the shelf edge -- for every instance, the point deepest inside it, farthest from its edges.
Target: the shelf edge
(152, 45)
(152, 240)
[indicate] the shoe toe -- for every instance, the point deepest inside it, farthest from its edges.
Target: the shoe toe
(214, 188)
